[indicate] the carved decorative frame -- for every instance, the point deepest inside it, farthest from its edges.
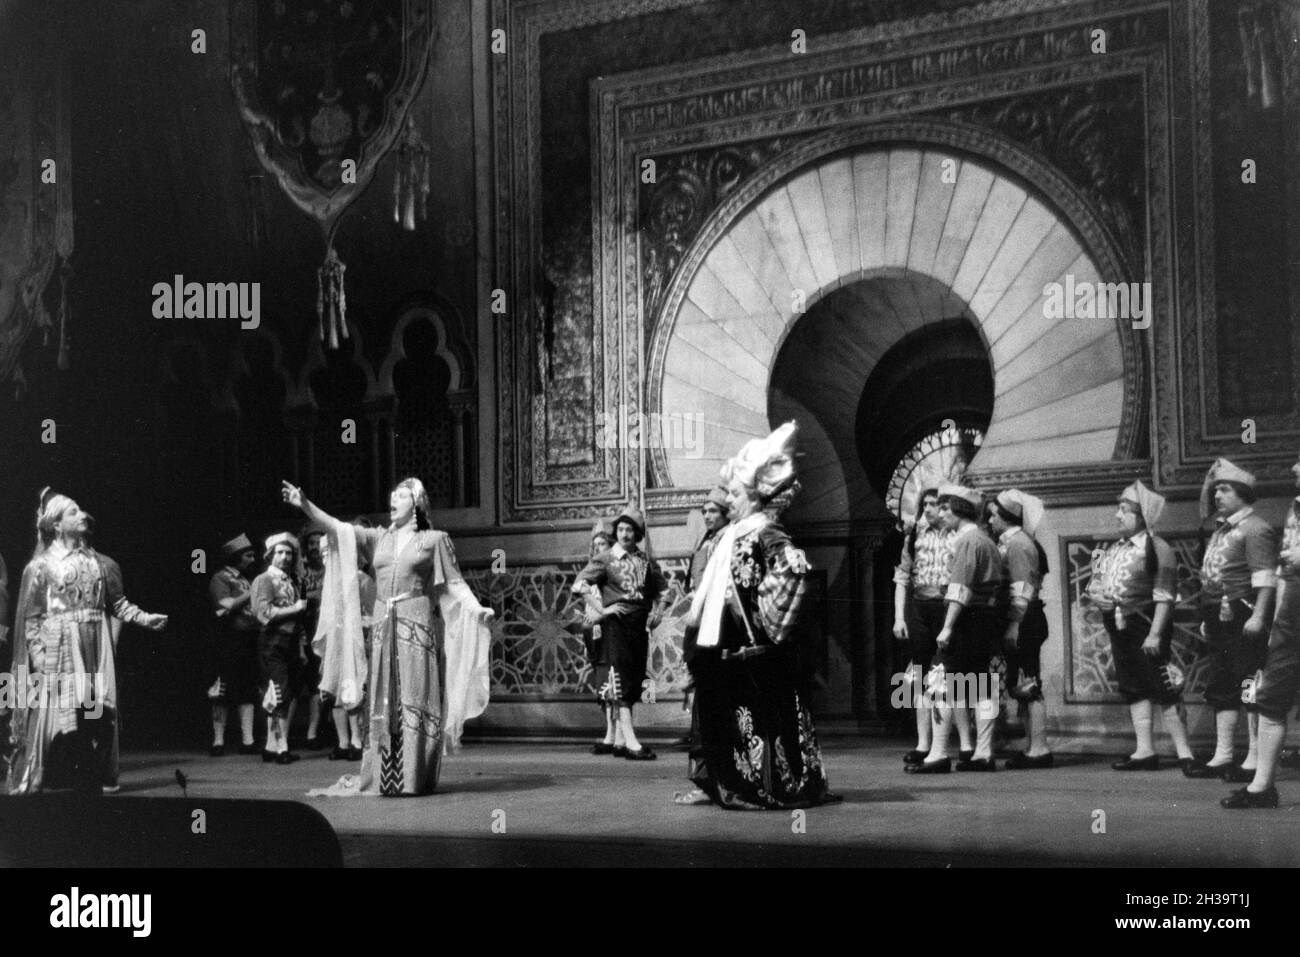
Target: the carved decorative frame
(970, 55)
(1189, 434)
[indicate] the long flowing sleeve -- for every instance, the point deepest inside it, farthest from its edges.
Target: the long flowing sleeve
(31, 613)
(468, 641)
(339, 640)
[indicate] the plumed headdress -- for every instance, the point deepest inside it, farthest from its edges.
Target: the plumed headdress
(765, 466)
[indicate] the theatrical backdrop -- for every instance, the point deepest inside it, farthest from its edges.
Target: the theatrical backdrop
(556, 256)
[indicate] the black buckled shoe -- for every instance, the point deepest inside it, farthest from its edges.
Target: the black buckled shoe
(1149, 763)
(602, 748)
(965, 755)
(339, 754)
(942, 766)
(286, 757)
(1249, 799)
(249, 749)
(619, 751)
(914, 757)
(1023, 762)
(977, 764)
(640, 754)
(1201, 770)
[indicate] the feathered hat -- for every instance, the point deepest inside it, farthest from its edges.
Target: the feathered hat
(766, 466)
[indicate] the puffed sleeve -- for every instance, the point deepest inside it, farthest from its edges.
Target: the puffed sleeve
(1022, 569)
(263, 600)
(781, 592)
(1261, 554)
(1164, 587)
(903, 571)
(594, 573)
(961, 575)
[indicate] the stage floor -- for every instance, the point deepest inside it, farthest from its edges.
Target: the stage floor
(547, 803)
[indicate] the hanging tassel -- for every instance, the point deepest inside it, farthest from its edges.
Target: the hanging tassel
(411, 178)
(65, 276)
(331, 300)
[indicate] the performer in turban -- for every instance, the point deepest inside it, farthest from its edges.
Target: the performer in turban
(428, 668)
(1280, 681)
(236, 637)
(1238, 578)
(715, 512)
(1014, 519)
(1134, 583)
(758, 747)
(68, 596)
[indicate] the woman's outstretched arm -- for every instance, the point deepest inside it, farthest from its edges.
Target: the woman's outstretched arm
(293, 495)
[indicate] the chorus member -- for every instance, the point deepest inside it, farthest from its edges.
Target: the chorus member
(758, 746)
(1014, 520)
(715, 511)
(428, 668)
(969, 636)
(279, 608)
(920, 581)
(602, 539)
(68, 595)
(237, 628)
(1238, 578)
(1280, 683)
(310, 581)
(633, 592)
(1134, 583)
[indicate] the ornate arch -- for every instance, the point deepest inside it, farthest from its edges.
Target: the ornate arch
(787, 192)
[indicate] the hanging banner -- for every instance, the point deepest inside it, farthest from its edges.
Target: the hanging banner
(323, 88)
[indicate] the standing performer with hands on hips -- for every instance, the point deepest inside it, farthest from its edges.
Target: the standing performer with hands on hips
(428, 667)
